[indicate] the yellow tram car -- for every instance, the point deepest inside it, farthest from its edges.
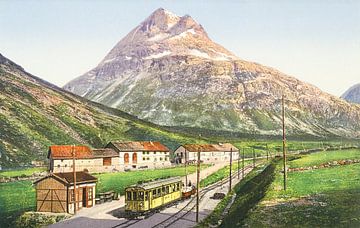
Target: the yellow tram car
(146, 197)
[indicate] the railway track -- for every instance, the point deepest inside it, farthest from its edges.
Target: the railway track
(192, 203)
(184, 211)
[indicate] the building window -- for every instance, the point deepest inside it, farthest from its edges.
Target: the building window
(72, 195)
(144, 159)
(58, 166)
(147, 158)
(166, 158)
(90, 193)
(106, 161)
(154, 152)
(143, 152)
(65, 165)
(161, 159)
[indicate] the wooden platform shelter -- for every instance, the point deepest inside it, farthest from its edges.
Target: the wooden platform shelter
(55, 192)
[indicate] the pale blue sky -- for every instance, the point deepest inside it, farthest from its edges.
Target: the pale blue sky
(317, 41)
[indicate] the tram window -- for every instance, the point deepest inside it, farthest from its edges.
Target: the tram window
(134, 196)
(146, 195)
(141, 195)
(167, 189)
(154, 193)
(128, 195)
(158, 192)
(177, 187)
(173, 187)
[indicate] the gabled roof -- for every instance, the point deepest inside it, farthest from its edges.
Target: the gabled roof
(106, 152)
(68, 178)
(138, 146)
(221, 147)
(66, 151)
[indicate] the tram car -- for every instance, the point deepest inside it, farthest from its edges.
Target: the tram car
(141, 199)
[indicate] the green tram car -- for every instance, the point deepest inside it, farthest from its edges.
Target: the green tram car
(143, 198)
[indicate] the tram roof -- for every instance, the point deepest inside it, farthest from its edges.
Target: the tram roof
(157, 183)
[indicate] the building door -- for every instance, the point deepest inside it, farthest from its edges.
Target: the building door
(89, 196)
(134, 158)
(126, 158)
(84, 198)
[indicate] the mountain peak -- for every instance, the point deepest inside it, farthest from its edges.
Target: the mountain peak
(161, 19)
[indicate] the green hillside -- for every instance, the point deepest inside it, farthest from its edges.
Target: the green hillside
(35, 114)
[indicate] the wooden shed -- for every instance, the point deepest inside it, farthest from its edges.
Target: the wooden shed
(55, 192)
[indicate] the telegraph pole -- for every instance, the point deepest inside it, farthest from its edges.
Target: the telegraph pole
(197, 186)
(284, 140)
(230, 169)
(186, 178)
(239, 165)
(243, 163)
(253, 157)
(74, 176)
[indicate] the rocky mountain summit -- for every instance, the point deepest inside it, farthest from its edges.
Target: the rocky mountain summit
(352, 94)
(168, 71)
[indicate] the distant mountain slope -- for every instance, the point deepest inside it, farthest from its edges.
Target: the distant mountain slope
(352, 94)
(35, 114)
(168, 71)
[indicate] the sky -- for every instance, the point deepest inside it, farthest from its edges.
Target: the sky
(317, 41)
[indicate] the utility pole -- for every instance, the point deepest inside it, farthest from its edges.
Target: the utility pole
(284, 140)
(253, 149)
(243, 163)
(230, 169)
(239, 165)
(186, 177)
(197, 186)
(74, 176)
(267, 152)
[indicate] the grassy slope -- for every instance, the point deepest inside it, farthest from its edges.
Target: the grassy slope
(324, 197)
(325, 156)
(35, 114)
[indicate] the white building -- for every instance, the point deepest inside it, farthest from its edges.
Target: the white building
(145, 154)
(209, 153)
(86, 159)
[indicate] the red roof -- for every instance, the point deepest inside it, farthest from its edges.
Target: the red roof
(66, 151)
(139, 146)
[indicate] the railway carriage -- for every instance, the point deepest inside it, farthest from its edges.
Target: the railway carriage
(143, 198)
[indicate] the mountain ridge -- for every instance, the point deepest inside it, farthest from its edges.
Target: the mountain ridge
(174, 74)
(352, 94)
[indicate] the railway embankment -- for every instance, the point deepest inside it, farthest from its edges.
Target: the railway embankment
(248, 193)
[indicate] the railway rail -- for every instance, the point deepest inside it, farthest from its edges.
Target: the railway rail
(184, 211)
(192, 203)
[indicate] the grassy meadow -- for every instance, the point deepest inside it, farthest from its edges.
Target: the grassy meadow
(21, 172)
(119, 181)
(328, 197)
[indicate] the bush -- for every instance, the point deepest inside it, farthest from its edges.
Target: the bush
(248, 195)
(37, 219)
